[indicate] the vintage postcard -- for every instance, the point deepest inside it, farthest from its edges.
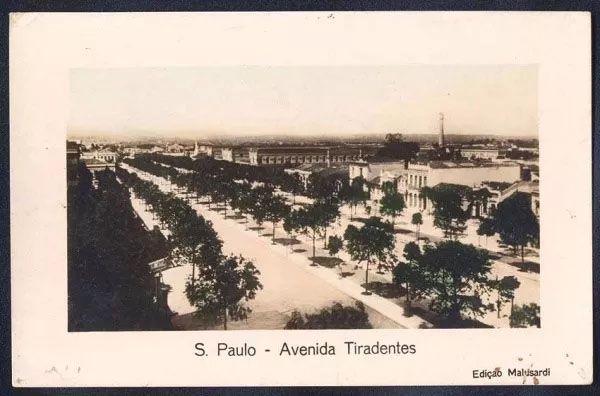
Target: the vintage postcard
(211, 199)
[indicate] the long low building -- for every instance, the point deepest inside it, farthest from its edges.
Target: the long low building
(287, 155)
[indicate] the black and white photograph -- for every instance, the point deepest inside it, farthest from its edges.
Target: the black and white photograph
(300, 199)
(303, 198)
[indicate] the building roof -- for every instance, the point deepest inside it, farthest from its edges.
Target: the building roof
(479, 149)
(321, 150)
(497, 185)
(469, 164)
(311, 167)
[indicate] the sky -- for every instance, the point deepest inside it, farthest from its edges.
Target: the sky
(260, 100)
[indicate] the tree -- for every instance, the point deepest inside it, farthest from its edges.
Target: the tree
(455, 276)
(224, 284)
(395, 147)
(194, 241)
(506, 292)
(293, 184)
(315, 218)
(516, 223)
(261, 195)
(417, 220)
(372, 243)
(355, 194)
(448, 211)
(335, 245)
(389, 187)
(478, 199)
(329, 211)
(246, 202)
(110, 285)
(487, 228)
(335, 317)
(409, 273)
(291, 224)
(275, 210)
(322, 186)
(525, 316)
(392, 204)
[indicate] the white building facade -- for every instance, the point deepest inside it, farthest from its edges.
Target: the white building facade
(412, 177)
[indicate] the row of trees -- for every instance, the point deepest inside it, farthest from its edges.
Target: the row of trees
(110, 286)
(451, 275)
(217, 171)
(259, 199)
(222, 284)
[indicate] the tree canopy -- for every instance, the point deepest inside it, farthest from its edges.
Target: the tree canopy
(395, 147)
(335, 317)
(392, 204)
(110, 286)
(525, 316)
(372, 243)
(449, 212)
(455, 276)
(516, 223)
(223, 287)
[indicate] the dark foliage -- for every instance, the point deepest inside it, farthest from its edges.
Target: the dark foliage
(110, 286)
(335, 317)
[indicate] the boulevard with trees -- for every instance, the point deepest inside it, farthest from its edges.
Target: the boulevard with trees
(218, 286)
(451, 277)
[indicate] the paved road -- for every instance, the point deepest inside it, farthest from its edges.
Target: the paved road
(287, 286)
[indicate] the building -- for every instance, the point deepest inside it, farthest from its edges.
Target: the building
(133, 151)
(73, 152)
(480, 153)
(94, 164)
(410, 178)
(174, 148)
(297, 155)
(238, 154)
(373, 170)
(102, 154)
(203, 149)
(470, 174)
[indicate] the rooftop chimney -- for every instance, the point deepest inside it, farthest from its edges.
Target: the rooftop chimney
(441, 141)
